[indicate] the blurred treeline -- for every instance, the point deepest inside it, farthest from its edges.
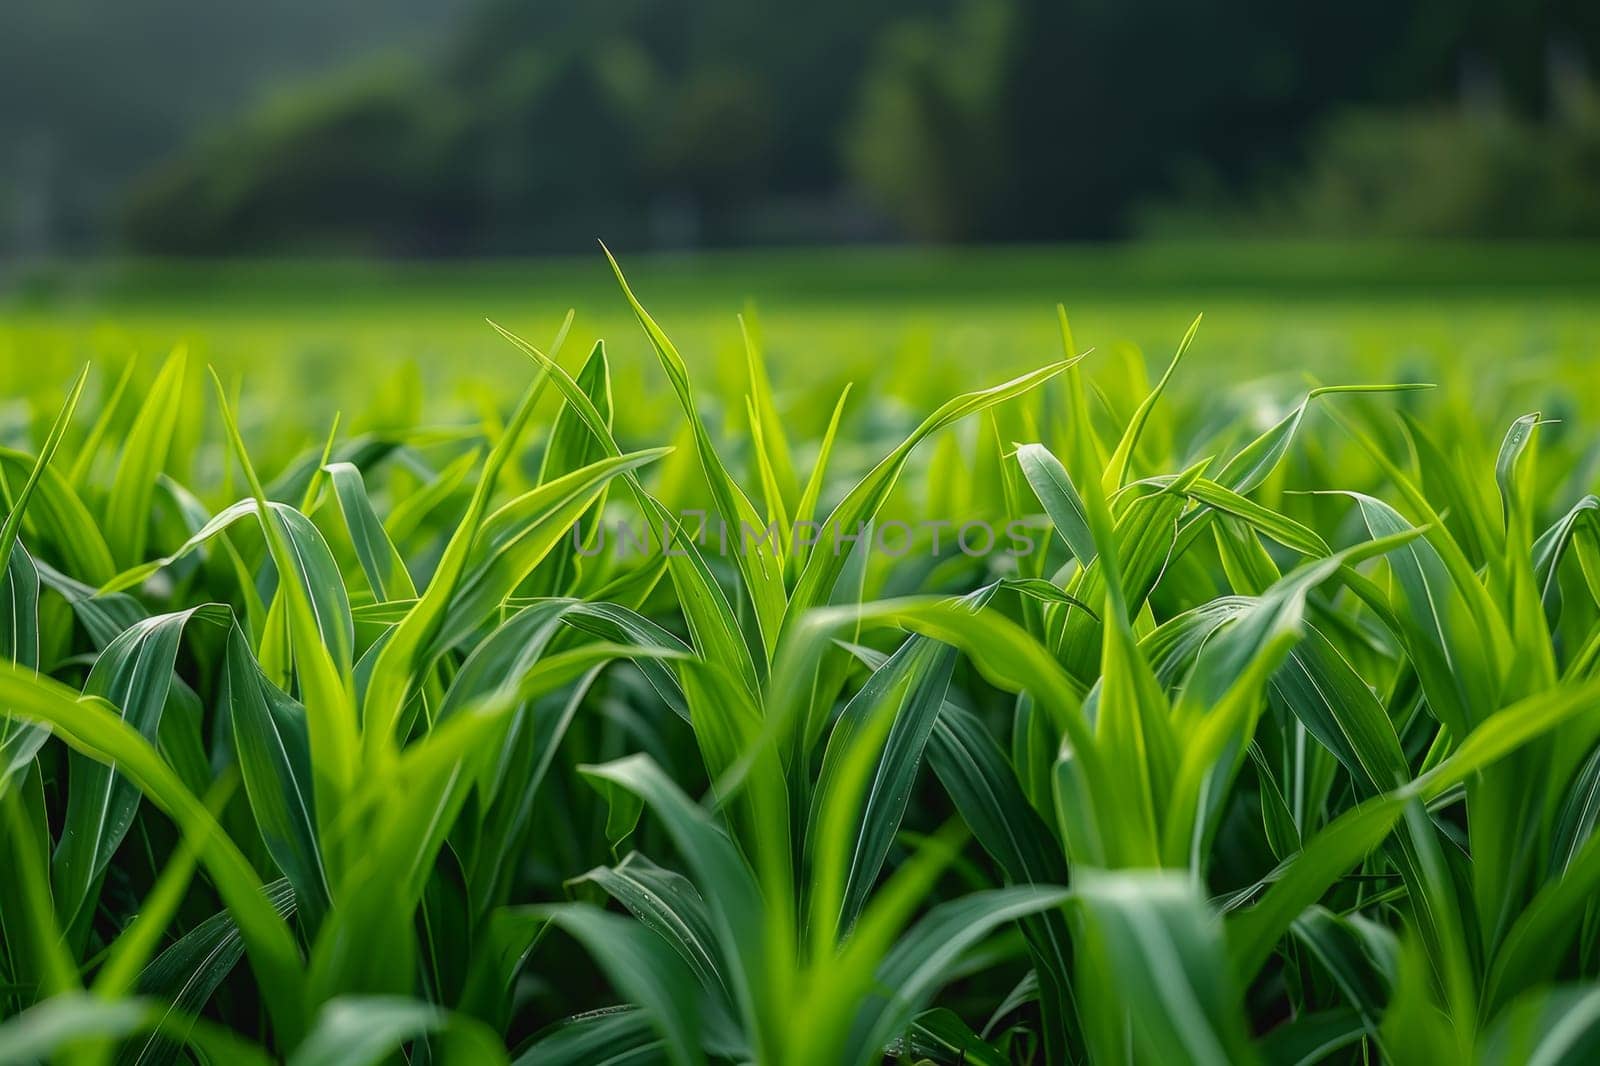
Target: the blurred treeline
(533, 126)
(96, 93)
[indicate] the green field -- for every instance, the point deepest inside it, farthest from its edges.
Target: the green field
(888, 320)
(989, 684)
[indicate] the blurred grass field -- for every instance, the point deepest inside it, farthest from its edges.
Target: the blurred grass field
(1504, 322)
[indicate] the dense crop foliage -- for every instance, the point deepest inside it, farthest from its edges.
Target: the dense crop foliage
(1259, 727)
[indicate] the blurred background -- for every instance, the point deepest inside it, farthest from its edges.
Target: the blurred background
(407, 128)
(306, 191)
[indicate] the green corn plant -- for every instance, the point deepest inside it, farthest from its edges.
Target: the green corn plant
(1280, 746)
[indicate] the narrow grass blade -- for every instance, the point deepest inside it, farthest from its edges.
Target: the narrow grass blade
(144, 454)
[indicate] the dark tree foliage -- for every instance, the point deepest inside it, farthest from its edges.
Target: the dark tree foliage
(681, 122)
